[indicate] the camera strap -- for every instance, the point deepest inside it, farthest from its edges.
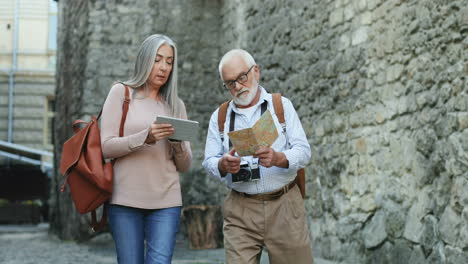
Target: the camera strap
(263, 108)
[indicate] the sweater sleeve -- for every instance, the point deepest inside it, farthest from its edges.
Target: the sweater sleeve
(114, 146)
(181, 151)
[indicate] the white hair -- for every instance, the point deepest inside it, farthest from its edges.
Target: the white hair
(143, 66)
(234, 53)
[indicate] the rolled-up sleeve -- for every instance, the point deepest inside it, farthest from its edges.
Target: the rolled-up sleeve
(213, 148)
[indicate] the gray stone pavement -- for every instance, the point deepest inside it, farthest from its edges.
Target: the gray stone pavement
(22, 244)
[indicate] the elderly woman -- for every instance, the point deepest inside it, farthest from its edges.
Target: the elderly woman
(146, 199)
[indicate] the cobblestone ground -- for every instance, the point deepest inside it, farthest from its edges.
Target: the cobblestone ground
(33, 245)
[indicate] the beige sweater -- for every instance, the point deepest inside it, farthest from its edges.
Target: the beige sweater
(145, 175)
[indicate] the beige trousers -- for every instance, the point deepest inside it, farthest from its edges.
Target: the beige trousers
(279, 225)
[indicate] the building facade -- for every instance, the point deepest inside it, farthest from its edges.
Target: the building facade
(28, 30)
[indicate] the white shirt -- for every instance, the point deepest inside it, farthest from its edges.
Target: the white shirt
(297, 153)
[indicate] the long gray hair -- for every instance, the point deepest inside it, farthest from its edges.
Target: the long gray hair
(143, 66)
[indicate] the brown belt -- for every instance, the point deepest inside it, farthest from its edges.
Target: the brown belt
(269, 195)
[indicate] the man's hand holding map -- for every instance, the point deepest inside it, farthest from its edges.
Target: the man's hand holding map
(263, 133)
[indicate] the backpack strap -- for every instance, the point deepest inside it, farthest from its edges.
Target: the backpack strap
(278, 105)
(279, 110)
(95, 225)
(222, 118)
(125, 106)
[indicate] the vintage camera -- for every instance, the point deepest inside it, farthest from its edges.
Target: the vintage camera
(246, 173)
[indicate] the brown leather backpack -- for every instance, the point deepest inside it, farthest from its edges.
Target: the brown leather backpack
(278, 105)
(89, 177)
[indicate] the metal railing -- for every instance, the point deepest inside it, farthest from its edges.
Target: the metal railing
(25, 154)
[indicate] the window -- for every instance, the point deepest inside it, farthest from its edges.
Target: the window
(52, 25)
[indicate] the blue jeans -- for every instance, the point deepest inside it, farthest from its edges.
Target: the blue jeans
(131, 227)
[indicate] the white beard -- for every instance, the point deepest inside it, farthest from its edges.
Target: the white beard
(246, 98)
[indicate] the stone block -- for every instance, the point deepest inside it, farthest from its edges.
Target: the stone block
(400, 251)
(422, 170)
(417, 256)
(461, 103)
(372, 4)
(449, 226)
(395, 223)
(459, 196)
(348, 12)
(346, 230)
(29, 89)
(346, 62)
(22, 137)
(319, 130)
(359, 36)
(350, 253)
(366, 18)
(463, 17)
(345, 42)
(438, 254)
(444, 126)
(390, 109)
(455, 255)
(336, 17)
(338, 3)
(330, 246)
(404, 105)
(338, 124)
(463, 238)
(374, 232)
(28, 124)
(361, 146)
(394, 72)
(360, 5)
(430, 233)
(414, 227)
(367, 203)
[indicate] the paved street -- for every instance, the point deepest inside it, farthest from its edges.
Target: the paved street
(33, 245)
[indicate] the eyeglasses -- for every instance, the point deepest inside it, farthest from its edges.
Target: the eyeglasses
(241, 80)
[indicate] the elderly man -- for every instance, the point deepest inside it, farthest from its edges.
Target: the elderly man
(265, 209)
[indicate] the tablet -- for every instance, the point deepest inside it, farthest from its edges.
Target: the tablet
(185, 130)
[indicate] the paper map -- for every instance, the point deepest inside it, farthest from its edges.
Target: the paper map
(263, 133)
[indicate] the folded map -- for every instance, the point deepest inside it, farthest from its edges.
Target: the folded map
(263, 133)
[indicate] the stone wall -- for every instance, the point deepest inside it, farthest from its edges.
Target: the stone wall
(380, 87)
